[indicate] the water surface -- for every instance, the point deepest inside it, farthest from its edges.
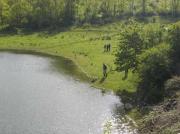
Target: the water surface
(41, 95)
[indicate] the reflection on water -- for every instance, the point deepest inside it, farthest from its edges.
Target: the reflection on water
(39, 95)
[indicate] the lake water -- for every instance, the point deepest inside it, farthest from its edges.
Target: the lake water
(41, 95)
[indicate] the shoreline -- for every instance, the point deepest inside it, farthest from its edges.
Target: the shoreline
(50, 55)
(53, 55)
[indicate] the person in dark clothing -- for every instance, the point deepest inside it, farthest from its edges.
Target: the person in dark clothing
(109, 47)
(105, 48)
(104, 70)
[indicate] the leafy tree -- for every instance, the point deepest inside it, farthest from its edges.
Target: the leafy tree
(154, 69)
(105, 8)
(174, 38)
(130, 47)
(152, 35)
(69, 11)
(50, 13)
(143, 7)
(4, 12)
(20, 12)
(174, 8)
(45, 13)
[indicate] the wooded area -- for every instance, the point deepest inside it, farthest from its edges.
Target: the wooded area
(57, 13)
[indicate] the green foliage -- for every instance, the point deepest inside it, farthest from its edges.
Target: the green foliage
(134, 39)
(130, 47)
(152, 35)
(174, 37)
(142, 50)
(172, 84)
(69, 11)
(19, 13)
(153, 70)
(58, 13)
(4, 12)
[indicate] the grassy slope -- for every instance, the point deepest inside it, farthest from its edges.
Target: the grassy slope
(82, 45)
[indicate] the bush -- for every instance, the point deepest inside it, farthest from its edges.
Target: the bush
(130, 46)
(152, 35)
(174, 37)
(153, 70)
(172, 84)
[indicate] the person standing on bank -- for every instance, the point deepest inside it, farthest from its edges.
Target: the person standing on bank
(105, 48)
(104, 70)
(109, 47)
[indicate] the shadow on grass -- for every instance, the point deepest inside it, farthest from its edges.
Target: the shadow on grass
(102, 80)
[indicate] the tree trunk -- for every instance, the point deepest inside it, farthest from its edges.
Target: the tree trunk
(143, 7)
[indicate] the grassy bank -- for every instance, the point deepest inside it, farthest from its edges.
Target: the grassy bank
(84, 46)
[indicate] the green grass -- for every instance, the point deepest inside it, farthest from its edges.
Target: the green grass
(84, 46)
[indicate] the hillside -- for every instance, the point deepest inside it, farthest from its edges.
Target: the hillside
(85, 46)
(142, 63)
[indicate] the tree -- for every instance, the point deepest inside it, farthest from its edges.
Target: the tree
(174, 37)
(58, 13)
(105, 8)
(130, 47)
(175, 5)
(69, 12)
(132, 7)
(19, 13)
(154, 69)
(152, 35)
(42, 13)
(4, 12)
(143, 7)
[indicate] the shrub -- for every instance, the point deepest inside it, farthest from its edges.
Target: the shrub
(172, 84)
(129, 48)
(153, 70)
(152, 35)
(174, 37)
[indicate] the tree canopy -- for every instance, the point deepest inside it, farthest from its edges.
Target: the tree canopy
(44, 13)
